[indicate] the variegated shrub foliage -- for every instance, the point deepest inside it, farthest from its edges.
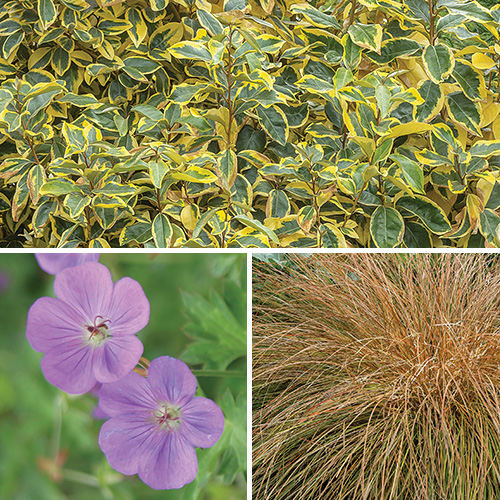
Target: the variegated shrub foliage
(249, 123)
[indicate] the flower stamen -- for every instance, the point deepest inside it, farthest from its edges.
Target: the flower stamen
(99, 331)
(168, 417)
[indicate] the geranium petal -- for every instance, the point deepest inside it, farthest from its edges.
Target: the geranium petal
(50, 322)
(171, 464)
(129, 394)
(87, 288)
(129, 309)
(202, 422)
(125, 440)
(117, 357)
(171, 380)
(69, 366)
(52, 263)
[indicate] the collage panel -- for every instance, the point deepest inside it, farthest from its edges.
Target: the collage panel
(376, 376)
(250, 123)
(123, 376)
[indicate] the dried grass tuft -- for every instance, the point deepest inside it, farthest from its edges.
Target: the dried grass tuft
(377, 376)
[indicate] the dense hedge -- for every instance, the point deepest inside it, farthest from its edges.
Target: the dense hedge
(249, 123)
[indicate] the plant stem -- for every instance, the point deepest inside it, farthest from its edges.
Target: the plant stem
(89, 227)
(229, 102)
(354, 6)
(56, 437)
(432, 14)
(80, 477)
(355, 202)
(27, 139)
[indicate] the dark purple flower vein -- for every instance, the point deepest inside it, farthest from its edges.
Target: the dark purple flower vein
(110, 350)
(75, 352)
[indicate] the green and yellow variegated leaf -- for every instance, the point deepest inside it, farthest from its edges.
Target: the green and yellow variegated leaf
(393, 48)
(35, 181)
(412, 172)
(185, 92)
(227, 169)
(250, 238)
(76, 203)
(139, 232)
(11, 44)
(472, 11)
(113, 26)
(386, 227)
(158, 5)
(438, 62)
(368, 36)
(47, 12)
(315, 16)
(56, 187)
(315, 85)
(161, 230)
(464, 112)
(209, 22)
(278, 204)
(255, 224)
(274, 122)
(194, 174)
(409, 95)
(428, 211)
(80, 100)
(60, 61)
(485, 149)
(331, 236)
(138, 29)
(408, 128)
(269, 44)
(157, 171)
(471, 80)
(489, 222)
(143, 65)
(191, 50)
(433, 97)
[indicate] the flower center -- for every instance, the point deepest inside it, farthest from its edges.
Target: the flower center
(168, 417)
(98, 331)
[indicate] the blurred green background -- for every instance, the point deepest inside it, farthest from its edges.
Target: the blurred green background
(48, 439)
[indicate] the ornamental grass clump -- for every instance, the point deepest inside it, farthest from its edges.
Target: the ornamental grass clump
(377, 377)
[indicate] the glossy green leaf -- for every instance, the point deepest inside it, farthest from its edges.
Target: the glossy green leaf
(315, 16)
(412, 172)
(485, 149)
(438, 62)
(274, 122)
(191, 50)
(278, 204)
(227, 168)
(209, 22)
(488, 224)
(431, 214)
(386, 227)
(58, 187)
(157, 171)
(367, 36)
(471, 81)
(464, 112)
(139, 232)
(162, 231)
(255, 224)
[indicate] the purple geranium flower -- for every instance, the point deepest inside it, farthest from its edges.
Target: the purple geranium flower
(156, 423)
(52, 263)
(87, 333)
